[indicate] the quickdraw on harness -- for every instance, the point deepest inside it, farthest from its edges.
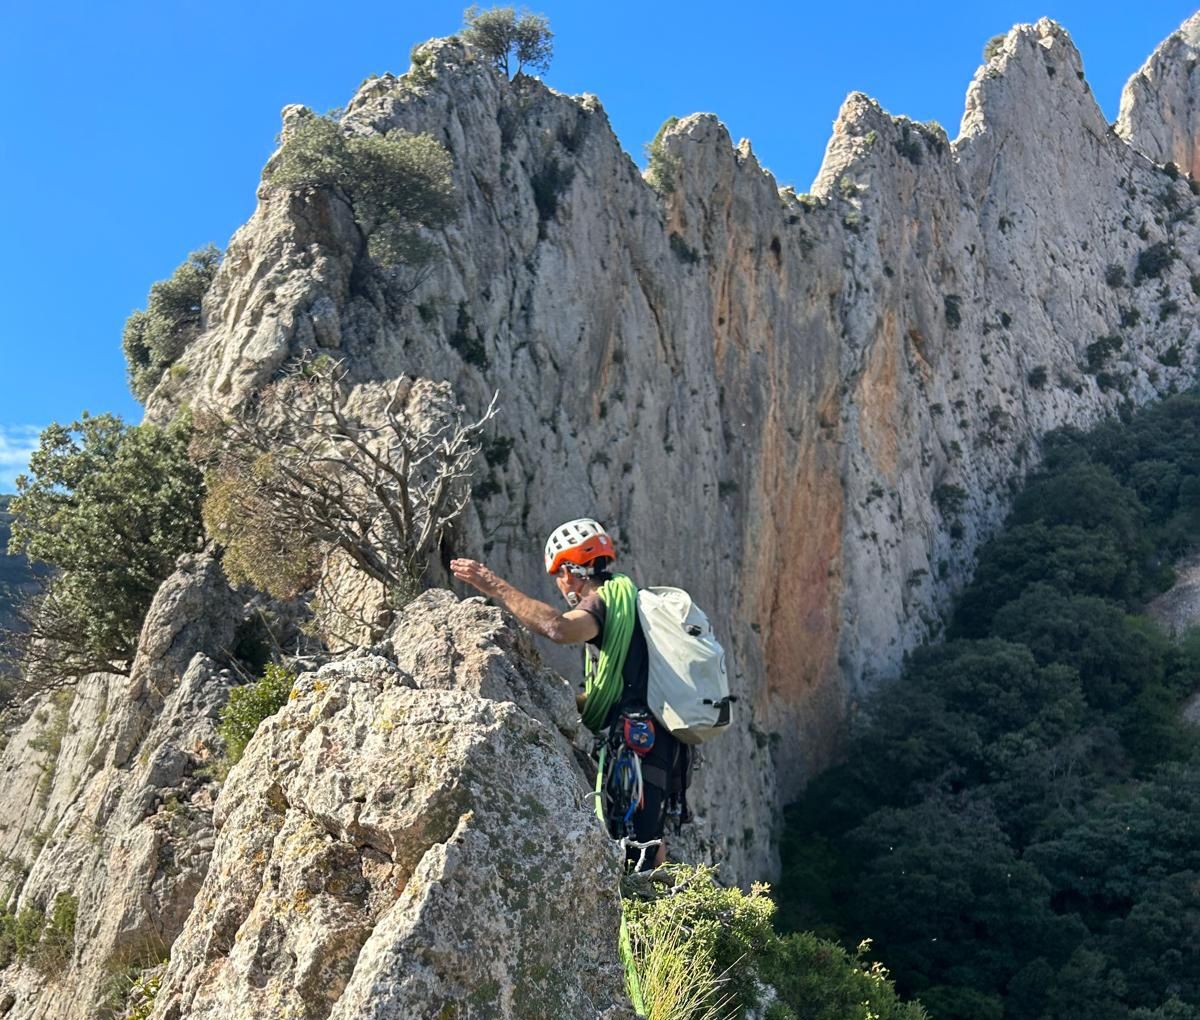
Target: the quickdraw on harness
(604, 674)
(620, 784)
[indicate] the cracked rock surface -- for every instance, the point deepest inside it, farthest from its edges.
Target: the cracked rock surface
(388, 847)
(107, 797)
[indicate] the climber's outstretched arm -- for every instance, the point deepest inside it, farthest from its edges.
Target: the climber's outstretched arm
(569, 628)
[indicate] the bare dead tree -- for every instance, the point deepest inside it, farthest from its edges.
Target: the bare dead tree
(316, 468)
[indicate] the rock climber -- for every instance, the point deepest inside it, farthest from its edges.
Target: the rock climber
(603, 614)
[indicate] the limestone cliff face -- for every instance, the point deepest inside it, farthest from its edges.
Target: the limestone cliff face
(806, 409)
(107, 799)
(1159, 113)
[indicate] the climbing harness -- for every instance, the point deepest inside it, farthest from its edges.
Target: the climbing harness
(619, 784)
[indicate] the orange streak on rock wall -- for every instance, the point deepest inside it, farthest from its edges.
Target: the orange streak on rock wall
(878, 397)
(798, 568)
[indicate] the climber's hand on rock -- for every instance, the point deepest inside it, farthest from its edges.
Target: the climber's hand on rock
(476, 575)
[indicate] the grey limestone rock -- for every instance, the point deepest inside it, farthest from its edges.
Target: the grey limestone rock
(1160, 105)
(106, 798)
(408, 840)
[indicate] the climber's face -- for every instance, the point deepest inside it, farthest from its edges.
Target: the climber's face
(570, 586)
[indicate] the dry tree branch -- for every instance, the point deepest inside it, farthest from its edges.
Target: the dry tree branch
(312, 468)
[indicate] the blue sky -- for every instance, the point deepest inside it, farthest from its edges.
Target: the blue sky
(138, 129)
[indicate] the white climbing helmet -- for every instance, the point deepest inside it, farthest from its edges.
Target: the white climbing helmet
(579, 542)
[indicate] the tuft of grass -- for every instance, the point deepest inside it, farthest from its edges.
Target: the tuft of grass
(675, 984)
(49, 741)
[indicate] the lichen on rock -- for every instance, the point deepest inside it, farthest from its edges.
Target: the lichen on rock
(399, 843)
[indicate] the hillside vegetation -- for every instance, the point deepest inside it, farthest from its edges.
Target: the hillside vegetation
(1017, 824)
(17, 576)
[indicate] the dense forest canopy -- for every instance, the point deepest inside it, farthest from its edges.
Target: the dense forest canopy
(1017, 821)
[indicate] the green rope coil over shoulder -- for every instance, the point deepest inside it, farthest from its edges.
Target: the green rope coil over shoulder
(604, 677)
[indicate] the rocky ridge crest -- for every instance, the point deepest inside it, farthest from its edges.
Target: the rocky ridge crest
(1159, 114)
(392, 843)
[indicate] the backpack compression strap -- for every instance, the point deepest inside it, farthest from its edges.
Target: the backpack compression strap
(604, 678)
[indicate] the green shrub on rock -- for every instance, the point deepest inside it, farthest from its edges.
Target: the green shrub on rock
(661, 167)
(249, 705)
(155, 338)
(1153, 262)
(815, 979)
(703, 951)
(47, 943)
(396, 182)
(994, 46)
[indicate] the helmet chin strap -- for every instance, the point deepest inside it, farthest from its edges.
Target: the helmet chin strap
(572, 598)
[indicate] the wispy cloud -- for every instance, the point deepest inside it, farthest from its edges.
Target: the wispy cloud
(17, 442)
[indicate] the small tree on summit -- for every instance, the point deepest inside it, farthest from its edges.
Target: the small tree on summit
(503, 34)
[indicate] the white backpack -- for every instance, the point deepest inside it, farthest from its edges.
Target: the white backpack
(688, 689)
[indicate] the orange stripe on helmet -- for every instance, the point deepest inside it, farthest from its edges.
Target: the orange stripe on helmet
(584, 553)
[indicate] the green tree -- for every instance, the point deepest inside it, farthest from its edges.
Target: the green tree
(155, 338)
(950, 716)
(1133, 836)
(1069, 558)
(504, 36)
(1089, 984)
(941, 875)
(1086, 495)
(396, 182)
(110, 507)
(1158, 941)
(1115, 654)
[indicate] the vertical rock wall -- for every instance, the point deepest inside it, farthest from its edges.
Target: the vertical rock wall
(807, 409)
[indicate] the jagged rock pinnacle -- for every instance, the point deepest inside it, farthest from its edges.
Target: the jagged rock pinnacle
(1160, 106)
